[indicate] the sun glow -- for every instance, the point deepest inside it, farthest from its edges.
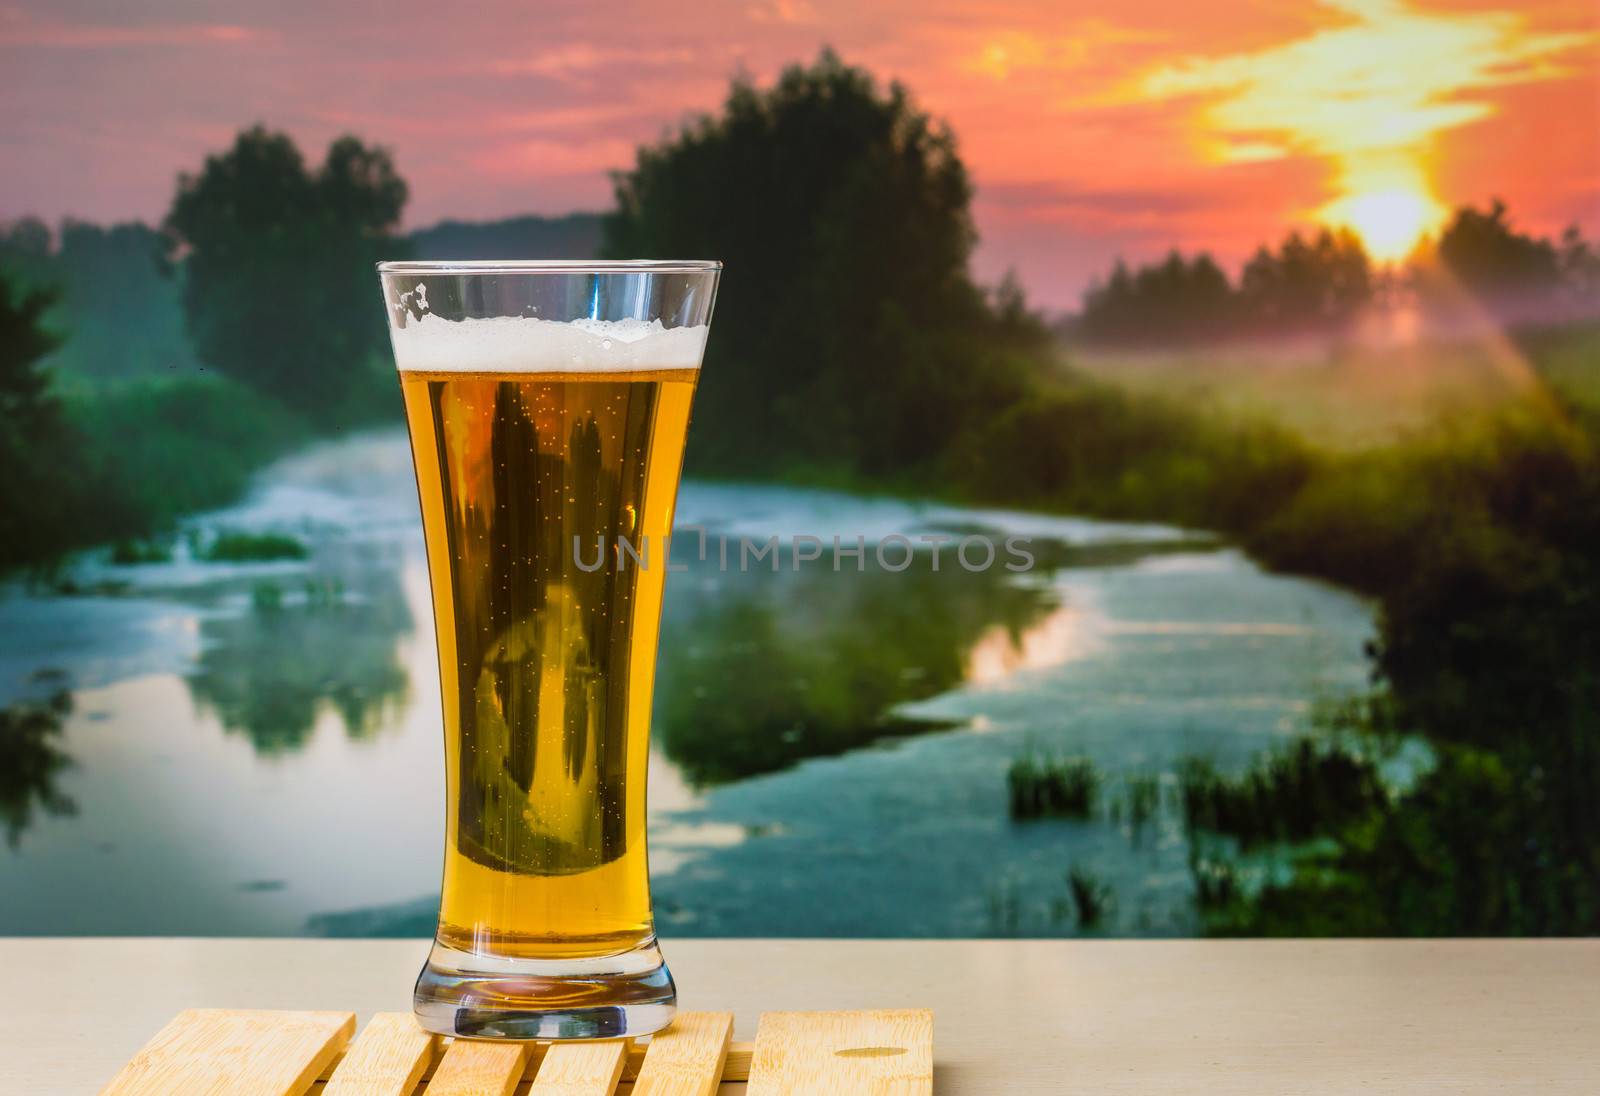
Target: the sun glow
(1390, 220)
(1368, 93)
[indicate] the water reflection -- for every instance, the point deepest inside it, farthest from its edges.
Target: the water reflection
(208, 695)
(304, 647)
(31, 761)
(762, 670)
(1060, 637)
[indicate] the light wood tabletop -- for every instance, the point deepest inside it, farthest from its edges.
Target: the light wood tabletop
(1166, 1017)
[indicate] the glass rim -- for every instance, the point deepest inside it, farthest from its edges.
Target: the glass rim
(550, 266)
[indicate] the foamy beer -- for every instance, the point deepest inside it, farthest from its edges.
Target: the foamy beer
(547, 405)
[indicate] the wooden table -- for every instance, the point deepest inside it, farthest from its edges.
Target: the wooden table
(1165, 1017)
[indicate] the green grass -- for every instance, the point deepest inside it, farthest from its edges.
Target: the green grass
(1292, 794)
(1216, 884)
(1041, 786)
(1091, 898)
(1139, 802)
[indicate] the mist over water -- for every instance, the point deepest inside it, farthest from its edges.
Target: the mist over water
(254, 748)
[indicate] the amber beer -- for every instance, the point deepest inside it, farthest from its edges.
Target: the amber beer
(547, 668)
(540, 448)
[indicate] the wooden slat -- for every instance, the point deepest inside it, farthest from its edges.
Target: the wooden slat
(388, 1059)
(236, 1052)
(687, 1058)
(472, 1067)
(581, 1069)
(879, 1053)
(737, 1065)
(725, 1088)
(736, 1068)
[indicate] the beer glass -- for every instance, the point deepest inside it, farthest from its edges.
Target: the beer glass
(547, 404)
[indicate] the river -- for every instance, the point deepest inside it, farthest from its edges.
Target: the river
(253, 749)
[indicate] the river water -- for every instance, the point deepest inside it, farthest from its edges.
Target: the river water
(254, 749)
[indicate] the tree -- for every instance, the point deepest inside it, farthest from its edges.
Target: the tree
(849, 331)
(1314, 284)
(1580, 267)
(1176, 299)
(277, 259)
(25, 248)
(123, 319)
(1482, 264)
(37, 447)
(1489, 258)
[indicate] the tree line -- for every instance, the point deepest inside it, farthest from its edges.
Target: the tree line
(189, 354)
(1322, 282)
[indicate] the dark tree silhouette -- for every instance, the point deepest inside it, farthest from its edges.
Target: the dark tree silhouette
(1481, 261)
(26, 409)
(1580, 266)
(1488, 257)
(37, 450)
(1314, 284)
(1309, 284)
(25, 249)
(1175, 299)
(850, 333)
(278, 266)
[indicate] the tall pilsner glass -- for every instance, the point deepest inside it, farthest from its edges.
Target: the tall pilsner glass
(547, 404)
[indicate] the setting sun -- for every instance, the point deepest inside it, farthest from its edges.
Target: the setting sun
(1370, 94)
(1389, 222)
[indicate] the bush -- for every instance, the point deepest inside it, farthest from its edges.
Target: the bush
(232, 546)
(161, 448)
(129, 552)
(1084, 446)
(1291, 795)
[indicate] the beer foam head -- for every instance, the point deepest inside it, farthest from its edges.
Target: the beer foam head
(510, 344)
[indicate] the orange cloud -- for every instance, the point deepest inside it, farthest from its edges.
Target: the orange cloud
(1389, 77)
(1368, 95)
(1008, 51)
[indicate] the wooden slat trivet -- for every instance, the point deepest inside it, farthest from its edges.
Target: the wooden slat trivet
(258, 1053)
(472, 1067)
(389, 1059)
(689, 1058)
(240, 1053)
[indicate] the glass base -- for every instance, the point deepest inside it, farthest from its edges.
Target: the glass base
(490, 997)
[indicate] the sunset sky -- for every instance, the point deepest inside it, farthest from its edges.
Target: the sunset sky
(1092, 130)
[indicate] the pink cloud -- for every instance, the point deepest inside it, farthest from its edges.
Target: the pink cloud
(507, 107)
(18, 30)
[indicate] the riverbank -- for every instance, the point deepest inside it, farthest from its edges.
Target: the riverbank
(216, 735)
